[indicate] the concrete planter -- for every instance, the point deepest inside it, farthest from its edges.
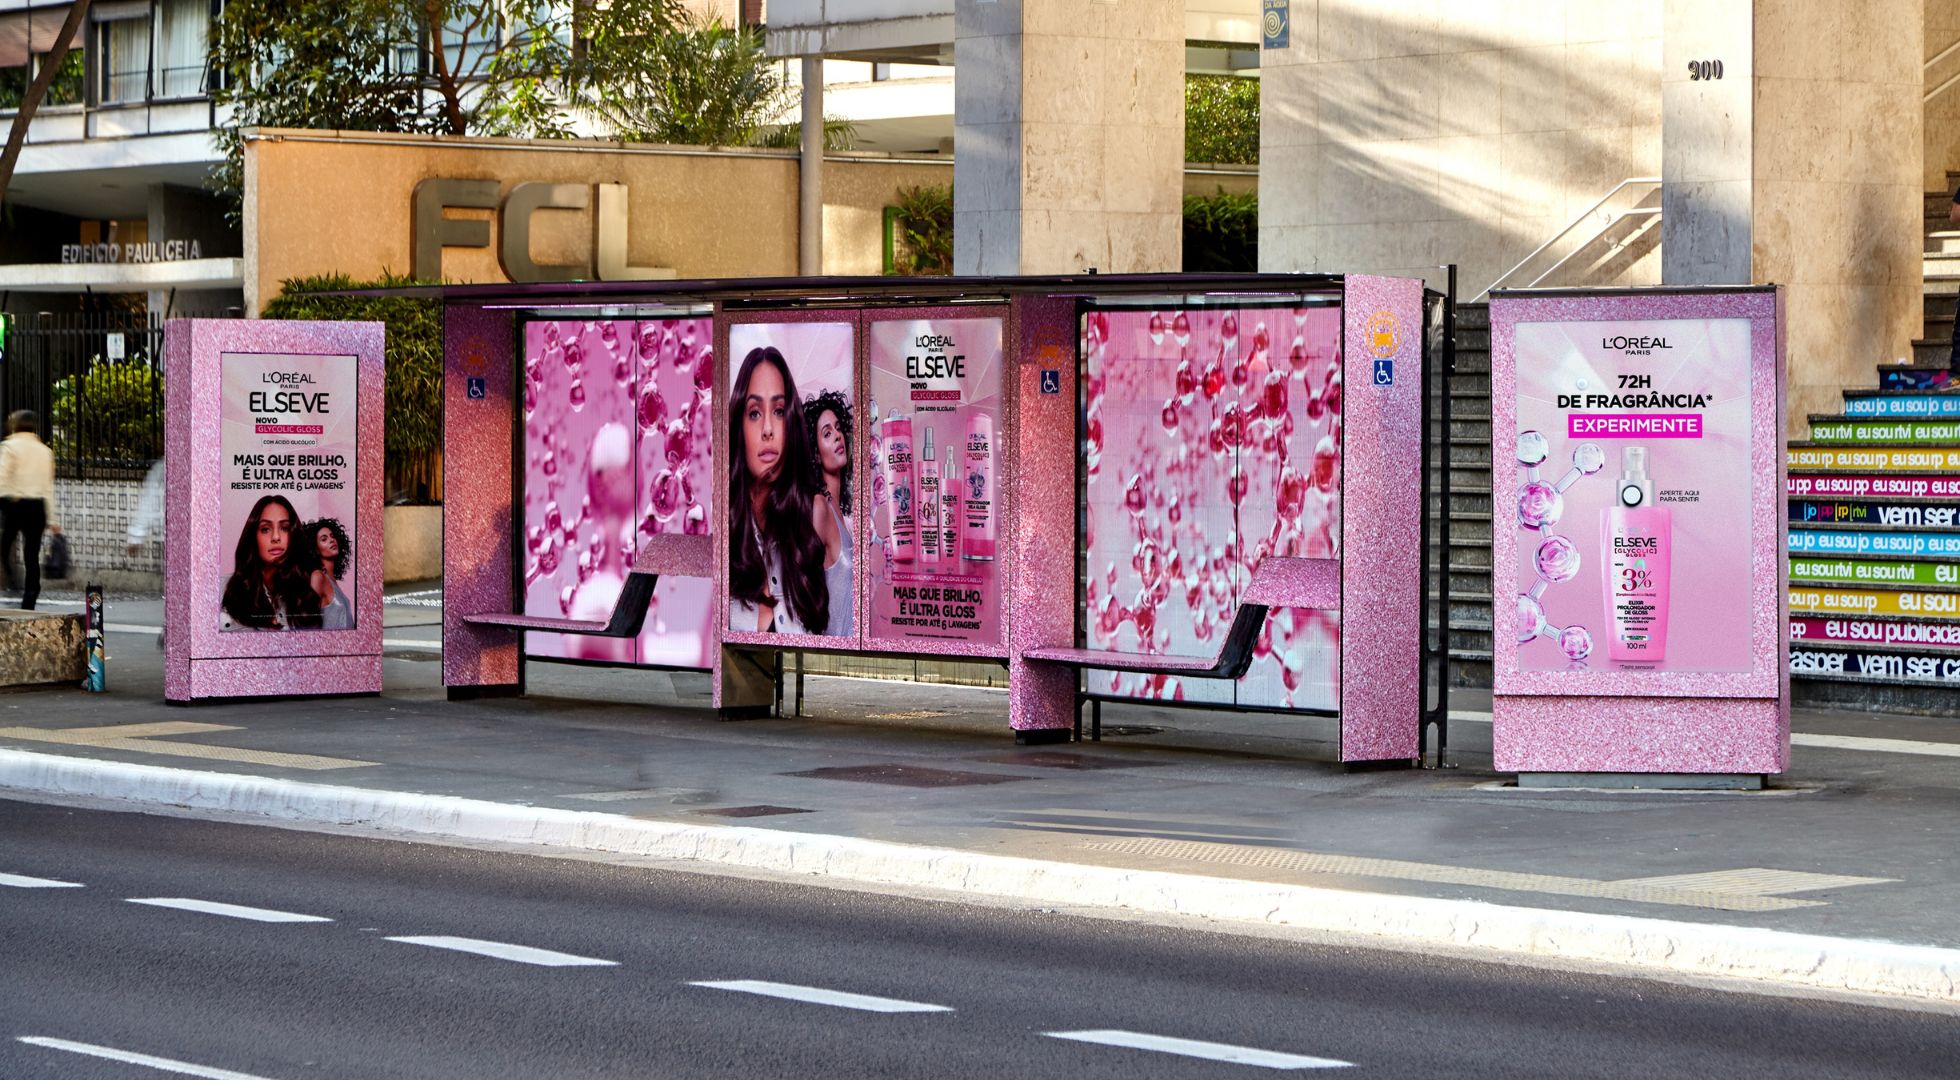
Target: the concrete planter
(413, 542)
(37, 648)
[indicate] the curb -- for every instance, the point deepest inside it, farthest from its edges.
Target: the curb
(1816, 962)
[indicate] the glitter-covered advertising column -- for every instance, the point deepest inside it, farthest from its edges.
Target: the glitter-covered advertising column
(273, 454)
(933, 433)
(1638, 475)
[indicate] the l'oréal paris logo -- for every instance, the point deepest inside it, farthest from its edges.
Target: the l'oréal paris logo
(1634, 346)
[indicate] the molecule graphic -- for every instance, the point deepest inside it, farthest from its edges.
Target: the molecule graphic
(1540, 505)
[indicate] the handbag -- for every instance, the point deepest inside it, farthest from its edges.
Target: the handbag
(54, 563)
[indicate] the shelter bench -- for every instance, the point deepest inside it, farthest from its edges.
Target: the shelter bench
(675, 555)
(1280, 581)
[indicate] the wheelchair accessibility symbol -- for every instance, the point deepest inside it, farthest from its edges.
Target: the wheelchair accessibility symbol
(478, 389)
(1051, 381)
(1384, 373)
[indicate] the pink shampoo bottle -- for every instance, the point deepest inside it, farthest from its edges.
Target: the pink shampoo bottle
(977, 531)
(929, 502)
(1637, 539)
(900, 487)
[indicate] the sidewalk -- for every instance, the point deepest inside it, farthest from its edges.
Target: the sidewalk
(1842, 875)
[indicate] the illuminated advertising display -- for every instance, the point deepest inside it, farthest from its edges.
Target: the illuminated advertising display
(287, 512)
(618, 446)
(934, 433)
(1212, 439)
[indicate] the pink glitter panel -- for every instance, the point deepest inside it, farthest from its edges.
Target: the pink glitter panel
(946, 598)
(1213, 441)
(1038, 476)
(199, 555)
(1382, 560)
(476, 511)
(822, 356)
(1629, 720)
(618, 448)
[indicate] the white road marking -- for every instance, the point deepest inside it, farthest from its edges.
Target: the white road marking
(1865, 744)
(182, 1068)
(523, 954)
(1210, 1051)
(1878, 746)
(19, 881)
(817, 995)
(233, 911)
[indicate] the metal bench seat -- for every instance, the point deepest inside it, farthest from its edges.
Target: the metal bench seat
(1279, 581)
(676, 555)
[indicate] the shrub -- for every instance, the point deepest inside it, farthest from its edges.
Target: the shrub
(414, 365)
(1221, 232)
(1221, 119)
(112, 416)
(924, 221)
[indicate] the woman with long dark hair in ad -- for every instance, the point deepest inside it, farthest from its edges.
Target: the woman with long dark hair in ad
(268, 589)
(783, 546)
(325, 549)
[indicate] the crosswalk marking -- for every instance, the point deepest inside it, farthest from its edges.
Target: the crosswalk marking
(817, 995)
(523, 954)
(21, 881)
(1210, 1051)
(110, 1053)
(230, 911)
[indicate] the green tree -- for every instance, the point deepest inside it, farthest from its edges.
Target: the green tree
(700, 83)
(1221, 232)
(1221, 119)
(456, 67)
(924, 221)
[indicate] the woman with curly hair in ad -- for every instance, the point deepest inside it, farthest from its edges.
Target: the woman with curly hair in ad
(782, 545)
(325, 549)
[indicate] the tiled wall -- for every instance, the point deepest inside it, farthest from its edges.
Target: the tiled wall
(95, 515)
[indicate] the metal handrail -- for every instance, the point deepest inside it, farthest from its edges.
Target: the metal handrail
(1571, 225)
(1951, 79)
(1638, 211)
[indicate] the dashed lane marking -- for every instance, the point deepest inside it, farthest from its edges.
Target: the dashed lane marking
(143, 739)
(817, 995)
(523, 954)
(230, 911)
(1209, 1051)
(110, 1053)
(21, 881)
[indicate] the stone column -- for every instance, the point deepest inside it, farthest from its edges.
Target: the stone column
(1801, 166)
(809, 258)
(1068, 127)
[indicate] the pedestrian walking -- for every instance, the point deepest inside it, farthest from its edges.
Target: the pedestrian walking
(147, 524)
(26, 501)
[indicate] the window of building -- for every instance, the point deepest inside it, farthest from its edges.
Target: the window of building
(123, 59)
(183, 27)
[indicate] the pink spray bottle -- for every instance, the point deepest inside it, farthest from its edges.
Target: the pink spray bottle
(1637, 539)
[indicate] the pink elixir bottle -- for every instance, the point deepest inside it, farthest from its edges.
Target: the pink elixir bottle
(900, 487)
(950, 510)
(977, 531)
(1637, 538)
(929, 502)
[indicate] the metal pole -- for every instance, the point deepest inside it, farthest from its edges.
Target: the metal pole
(809, 260)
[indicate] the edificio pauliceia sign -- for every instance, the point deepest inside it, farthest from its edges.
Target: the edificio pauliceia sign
(148, 252)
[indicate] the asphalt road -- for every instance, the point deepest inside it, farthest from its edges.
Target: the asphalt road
(588, 970)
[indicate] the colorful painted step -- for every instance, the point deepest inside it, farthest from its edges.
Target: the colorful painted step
(1906, 486)
(1806, 456)
(1852, 431)
(1866, 542)
(1902, 403)
(1874, 665)
(1847, 571)
(1892, 513)
(1827, 600)
(1876, 632)
(1908, 377)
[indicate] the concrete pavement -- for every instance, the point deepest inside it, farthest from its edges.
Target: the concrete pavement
(1838, 877)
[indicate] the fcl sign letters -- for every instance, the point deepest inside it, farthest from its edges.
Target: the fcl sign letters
(434, 230)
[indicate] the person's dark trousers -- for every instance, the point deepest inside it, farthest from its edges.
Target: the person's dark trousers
(28, 519)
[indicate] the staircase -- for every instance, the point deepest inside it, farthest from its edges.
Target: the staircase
(1874, 531)
(1470, 507)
